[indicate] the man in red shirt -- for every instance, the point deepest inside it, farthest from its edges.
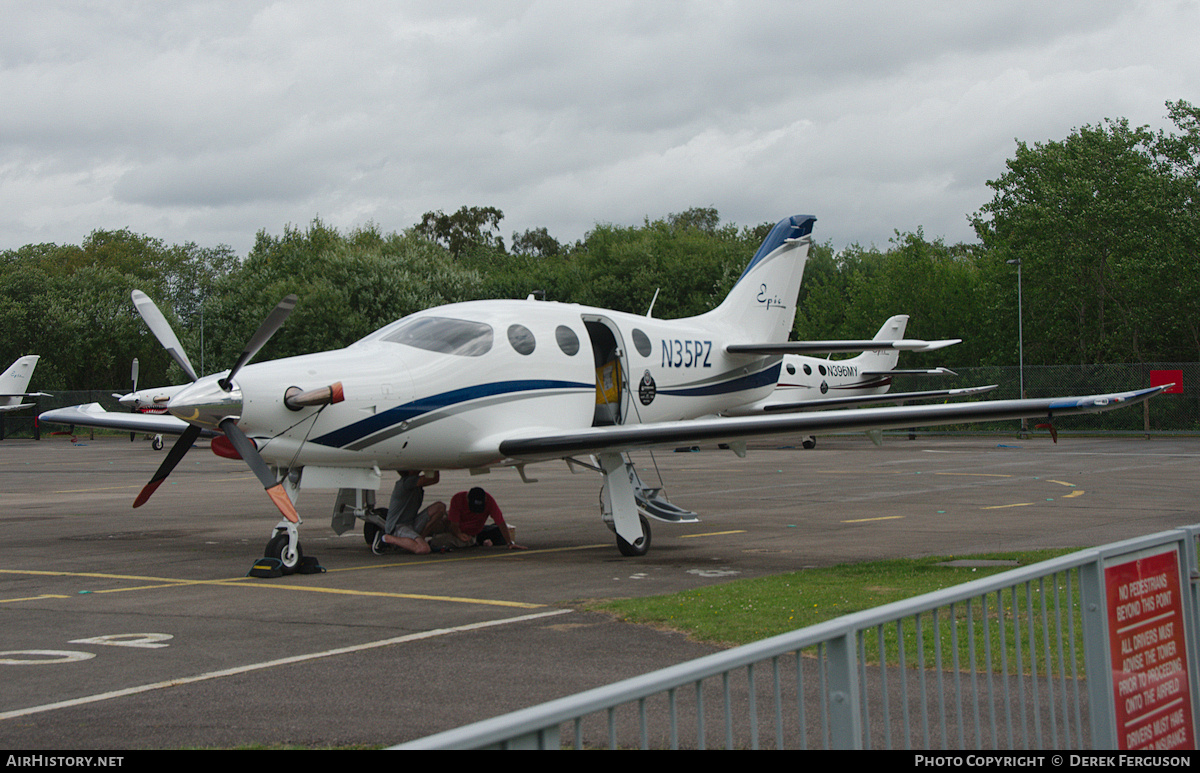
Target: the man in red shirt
(469, 514)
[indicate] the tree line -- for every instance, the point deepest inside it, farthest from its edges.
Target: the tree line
(1103, 224)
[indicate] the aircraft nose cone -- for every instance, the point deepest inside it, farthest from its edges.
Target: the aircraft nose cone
(206, 404)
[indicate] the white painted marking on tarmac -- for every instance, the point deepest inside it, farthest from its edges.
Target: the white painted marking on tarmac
(42, 657)
(713, 572)
(143, 640)
(272, 664)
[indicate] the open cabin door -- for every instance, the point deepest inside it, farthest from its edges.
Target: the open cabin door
(610, 362)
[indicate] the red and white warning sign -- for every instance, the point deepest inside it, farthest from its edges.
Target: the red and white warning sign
(1151, 685)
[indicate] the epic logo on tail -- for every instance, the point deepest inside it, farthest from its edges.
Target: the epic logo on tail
(762, 304)
(14, 382)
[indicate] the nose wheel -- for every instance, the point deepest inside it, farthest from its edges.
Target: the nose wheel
(285, 546)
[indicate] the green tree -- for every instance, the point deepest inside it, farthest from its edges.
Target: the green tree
(347, 284)
(1099, 222)
(468, 229)
(690, 261)
(536, 242)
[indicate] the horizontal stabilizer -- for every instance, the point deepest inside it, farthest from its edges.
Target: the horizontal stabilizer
(891, 397)
(930, 372)
(840, 347)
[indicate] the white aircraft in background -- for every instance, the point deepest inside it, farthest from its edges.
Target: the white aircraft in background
(808, 383)
(14, 382)
(507, 383)
(148, 401)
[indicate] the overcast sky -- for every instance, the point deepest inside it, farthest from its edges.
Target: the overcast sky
(208, 121)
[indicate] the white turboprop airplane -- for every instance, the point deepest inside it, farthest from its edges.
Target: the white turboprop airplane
(14, 382)
(506, 383)
(808, 383)
(152, 401)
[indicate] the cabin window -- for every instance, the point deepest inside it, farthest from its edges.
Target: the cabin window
(791, 369)
(822, 369)
(807, 370)
(567, 340)
(641, 342)
(521, 339)
(442, 334)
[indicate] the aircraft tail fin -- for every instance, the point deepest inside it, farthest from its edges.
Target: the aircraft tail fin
(14, 382)
(885, 359)
(762, 304)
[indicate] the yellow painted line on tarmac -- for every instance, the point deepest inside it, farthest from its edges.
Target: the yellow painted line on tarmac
(130, 486)
(488, 556)
(1001, 507)
(416, 596)
(1060, 482)
(245, 582)
(713, 534)
(880, 518)
(976, 474)
(1077, 493)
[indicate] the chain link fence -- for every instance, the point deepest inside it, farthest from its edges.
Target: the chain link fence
(23, 423)
(1169, 413)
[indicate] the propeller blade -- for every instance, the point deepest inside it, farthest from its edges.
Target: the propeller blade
(267, 329)
(245, 448)
(180, 448)
(134, 373)
(162, 331)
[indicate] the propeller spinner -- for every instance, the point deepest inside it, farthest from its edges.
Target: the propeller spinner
(216, 404)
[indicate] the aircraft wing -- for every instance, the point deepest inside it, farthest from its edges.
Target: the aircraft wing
(888, 397)
(902, 372)
(668, 434)
(838, 347)
(94, 415)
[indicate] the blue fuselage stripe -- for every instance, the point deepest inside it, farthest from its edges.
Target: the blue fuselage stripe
(768, 377)
(352, 433)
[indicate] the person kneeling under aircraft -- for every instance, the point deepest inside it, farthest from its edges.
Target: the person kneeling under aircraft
(468, 517)
(408, 527)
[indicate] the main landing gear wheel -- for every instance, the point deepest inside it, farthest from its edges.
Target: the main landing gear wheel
(278, 548)
(641, 546)
(808, 442)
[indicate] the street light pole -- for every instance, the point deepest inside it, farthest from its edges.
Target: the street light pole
(1020, 341)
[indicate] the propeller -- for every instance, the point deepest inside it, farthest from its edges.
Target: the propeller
(162, 331)
(244, 445)
(246, 449)
(133, 376)
(181, 447)
(273, 322)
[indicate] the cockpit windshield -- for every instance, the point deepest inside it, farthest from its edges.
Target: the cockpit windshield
(440, 334)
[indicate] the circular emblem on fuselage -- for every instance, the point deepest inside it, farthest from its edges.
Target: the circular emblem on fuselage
(824, 387)
(647, 389)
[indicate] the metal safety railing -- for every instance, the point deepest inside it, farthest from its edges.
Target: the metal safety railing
(1078, 652)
